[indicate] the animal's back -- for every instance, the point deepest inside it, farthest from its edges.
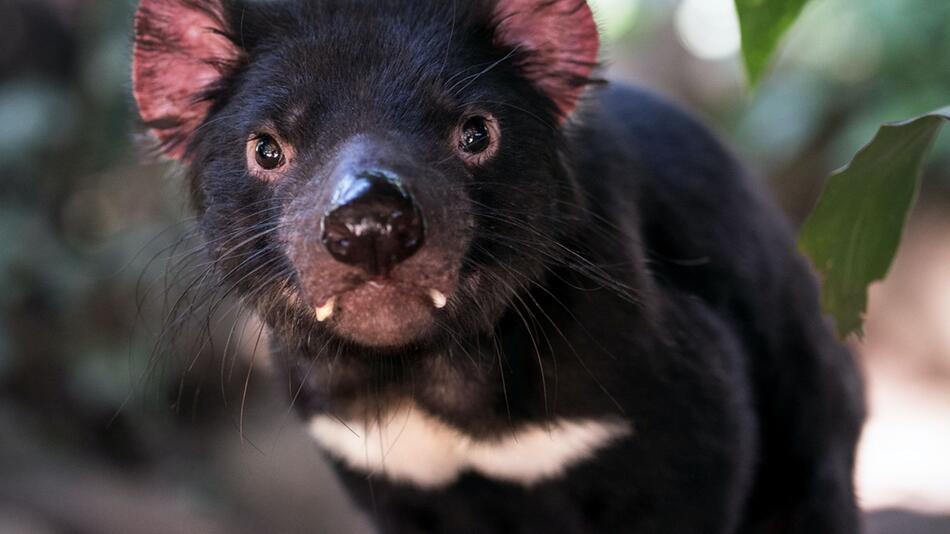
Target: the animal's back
(709, 230)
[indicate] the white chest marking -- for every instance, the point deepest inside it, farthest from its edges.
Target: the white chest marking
(409, 445)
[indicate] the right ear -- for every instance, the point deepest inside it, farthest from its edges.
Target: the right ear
(182, 51)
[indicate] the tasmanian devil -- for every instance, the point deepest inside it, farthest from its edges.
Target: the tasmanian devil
(508, 297)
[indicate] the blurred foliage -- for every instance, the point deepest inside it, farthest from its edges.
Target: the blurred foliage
(79, 215)
(615, 17)
(849, 67)
(854, 233)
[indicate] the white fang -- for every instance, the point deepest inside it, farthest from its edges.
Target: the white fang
(439, 299)
(412, 446)
(326, 311)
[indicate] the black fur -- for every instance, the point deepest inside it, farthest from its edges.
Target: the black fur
(622, 264)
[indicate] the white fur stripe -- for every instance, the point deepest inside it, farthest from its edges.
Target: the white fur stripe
(412, 446)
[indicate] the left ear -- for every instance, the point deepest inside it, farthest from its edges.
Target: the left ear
(182, 51)
(562, 42)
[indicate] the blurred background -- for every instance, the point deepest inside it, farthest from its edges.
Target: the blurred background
(110, 424)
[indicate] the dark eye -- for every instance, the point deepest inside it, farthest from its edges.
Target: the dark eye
(268, 153)
(476, 136)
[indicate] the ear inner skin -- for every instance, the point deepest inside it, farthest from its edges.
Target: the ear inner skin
(181, 51)
(561, 41)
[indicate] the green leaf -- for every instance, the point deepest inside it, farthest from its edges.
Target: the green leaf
(763, 24)
(854, 232)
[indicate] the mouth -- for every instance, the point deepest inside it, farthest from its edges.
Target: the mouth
(383, 314)
(325, 312)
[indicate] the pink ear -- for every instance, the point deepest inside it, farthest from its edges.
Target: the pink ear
(181, 51)
(562, 40)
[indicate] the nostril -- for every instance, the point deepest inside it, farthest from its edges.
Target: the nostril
(375, 226)
(338, 246)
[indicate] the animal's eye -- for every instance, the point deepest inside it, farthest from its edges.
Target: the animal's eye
(476, 136)
(268, 153)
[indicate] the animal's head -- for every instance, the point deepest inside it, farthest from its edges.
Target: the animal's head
(384, 174)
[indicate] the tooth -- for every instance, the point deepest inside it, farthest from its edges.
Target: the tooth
(438, 298)
(324, 312)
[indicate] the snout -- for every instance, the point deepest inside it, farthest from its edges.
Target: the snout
(377, 239)
(373, 224)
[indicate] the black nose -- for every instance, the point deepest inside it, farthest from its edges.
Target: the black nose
(374, 224)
